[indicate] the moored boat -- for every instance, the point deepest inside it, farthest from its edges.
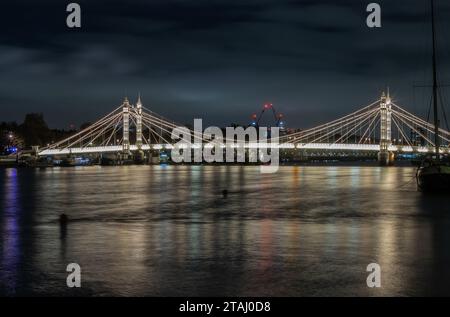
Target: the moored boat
(433, 175)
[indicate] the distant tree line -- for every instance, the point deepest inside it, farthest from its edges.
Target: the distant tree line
(33, 131)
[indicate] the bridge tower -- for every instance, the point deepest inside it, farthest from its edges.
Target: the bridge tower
(126, 126)
(139, 123)
(384, 156)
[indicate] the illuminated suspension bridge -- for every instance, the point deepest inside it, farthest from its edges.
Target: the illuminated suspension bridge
(382, 127)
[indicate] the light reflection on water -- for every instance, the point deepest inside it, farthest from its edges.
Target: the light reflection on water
(10, 245)
(153, 230)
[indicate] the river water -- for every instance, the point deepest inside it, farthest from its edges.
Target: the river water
(167, 231)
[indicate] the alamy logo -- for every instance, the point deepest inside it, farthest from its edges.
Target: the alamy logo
(239, 145)
(374, 278)
(374, 18)
(74, 278)
(74, 18)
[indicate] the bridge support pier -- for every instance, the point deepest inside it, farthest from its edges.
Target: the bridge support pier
(139, 123)
(385, 158)
(126, 127)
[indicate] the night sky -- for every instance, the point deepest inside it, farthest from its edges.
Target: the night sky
(219, 60)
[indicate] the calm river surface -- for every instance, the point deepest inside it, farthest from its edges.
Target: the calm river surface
(167, 231)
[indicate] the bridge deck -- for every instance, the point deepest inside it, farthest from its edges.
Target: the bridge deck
(308, 146)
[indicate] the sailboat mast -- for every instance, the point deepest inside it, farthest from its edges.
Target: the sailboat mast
(435, 85)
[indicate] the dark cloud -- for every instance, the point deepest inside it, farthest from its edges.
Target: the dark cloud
(215, 59)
